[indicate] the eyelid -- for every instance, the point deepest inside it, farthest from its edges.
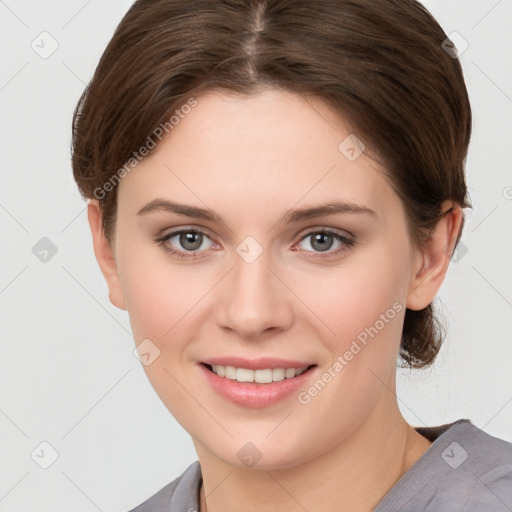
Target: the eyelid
(176, 230)
(345, 237)
(325, 229)
(163, 236)
(347, 241)
(307, 231)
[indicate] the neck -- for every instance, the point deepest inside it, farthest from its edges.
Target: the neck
(353, 475)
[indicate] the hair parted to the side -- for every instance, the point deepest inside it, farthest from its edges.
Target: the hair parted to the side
(378, 64)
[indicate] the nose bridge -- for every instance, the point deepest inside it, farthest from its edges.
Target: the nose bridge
(255, 300)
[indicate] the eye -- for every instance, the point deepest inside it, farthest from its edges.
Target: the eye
(322, 241)
(190, 240)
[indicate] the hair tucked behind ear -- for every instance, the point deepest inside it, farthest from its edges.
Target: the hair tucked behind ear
(379, 64)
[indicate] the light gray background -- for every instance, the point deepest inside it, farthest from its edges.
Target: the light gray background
(67, 372)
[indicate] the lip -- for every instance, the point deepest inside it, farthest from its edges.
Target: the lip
(252, 394)
(261, 363)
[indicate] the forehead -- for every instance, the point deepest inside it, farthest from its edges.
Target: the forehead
(268, 150)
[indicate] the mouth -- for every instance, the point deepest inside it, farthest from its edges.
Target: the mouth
(257, 388)
(260, 376)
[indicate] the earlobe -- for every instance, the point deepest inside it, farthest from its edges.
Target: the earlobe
(432, 261)
(104, 255)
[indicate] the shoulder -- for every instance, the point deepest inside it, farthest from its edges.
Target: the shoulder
(476, 466)
(488, 469)
(464, 470)
(180, 494)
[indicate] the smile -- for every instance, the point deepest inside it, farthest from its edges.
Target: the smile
(263, 376)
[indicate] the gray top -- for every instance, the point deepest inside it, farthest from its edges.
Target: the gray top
(464, 470)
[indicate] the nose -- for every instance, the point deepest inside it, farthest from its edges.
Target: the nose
(254, 299)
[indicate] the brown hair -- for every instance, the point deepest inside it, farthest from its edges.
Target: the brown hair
(379, 64)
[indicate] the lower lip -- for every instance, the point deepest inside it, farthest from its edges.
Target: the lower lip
(255, 395)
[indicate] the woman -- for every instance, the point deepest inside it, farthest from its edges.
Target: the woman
(220, 144)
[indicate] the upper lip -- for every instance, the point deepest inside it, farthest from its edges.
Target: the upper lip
(257, 364)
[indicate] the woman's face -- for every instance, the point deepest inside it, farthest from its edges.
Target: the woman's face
(261, 284)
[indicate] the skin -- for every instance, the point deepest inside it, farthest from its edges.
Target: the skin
(250, 159)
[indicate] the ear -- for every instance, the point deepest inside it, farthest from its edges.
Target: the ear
(431, 262)
(105, 255)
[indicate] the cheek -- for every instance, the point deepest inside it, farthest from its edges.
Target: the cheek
(350, 298)
(163, 294)
(159, 292)
(362, 306)
(160, 298)
(148, 301)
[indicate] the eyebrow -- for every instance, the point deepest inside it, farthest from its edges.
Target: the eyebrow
(290, 216)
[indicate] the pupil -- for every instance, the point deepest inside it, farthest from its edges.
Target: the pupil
(319, 241)
(190, 237)
(319, 237)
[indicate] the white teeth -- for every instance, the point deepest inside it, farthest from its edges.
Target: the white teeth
(278, 374)
(229, 372)
(244, 375)
(260, 376)
(289, 372)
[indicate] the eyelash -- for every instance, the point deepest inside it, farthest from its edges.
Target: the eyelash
(347, 242)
